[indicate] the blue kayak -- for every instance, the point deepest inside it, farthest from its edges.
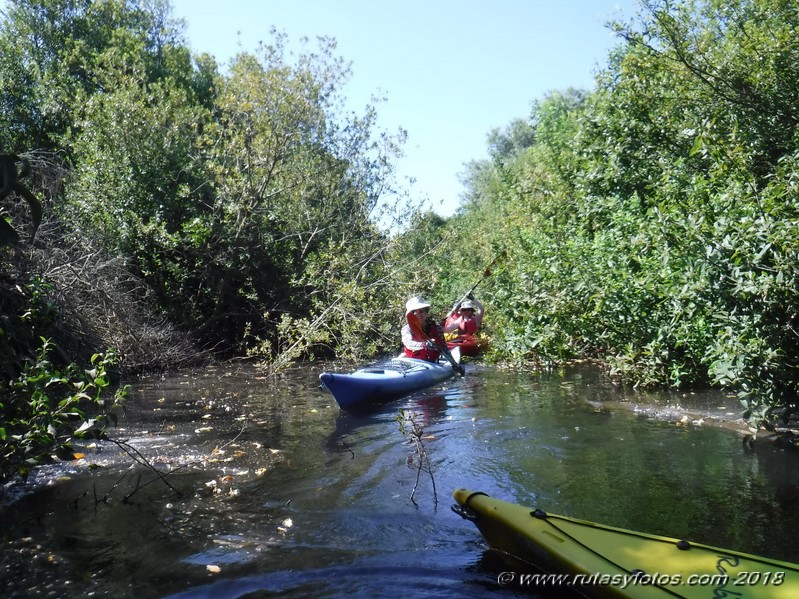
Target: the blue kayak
(383, 382)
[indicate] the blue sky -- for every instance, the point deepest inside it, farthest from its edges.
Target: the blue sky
(452, 70)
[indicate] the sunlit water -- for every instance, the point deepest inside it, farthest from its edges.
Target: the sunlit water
(268, 489)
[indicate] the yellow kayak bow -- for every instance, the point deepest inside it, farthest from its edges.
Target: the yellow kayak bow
(604, 561)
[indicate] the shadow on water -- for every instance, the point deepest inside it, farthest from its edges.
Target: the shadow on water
(274, 491)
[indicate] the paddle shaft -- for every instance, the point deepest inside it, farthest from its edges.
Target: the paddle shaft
(468, 293)
(486, 273)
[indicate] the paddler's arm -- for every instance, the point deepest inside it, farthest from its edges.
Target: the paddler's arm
(451, 324)
(408, 340)
(451, 319)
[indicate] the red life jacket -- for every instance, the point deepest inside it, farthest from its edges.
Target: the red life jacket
(426, 353)
(467, 327)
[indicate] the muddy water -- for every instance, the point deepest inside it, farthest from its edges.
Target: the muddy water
(224, 483)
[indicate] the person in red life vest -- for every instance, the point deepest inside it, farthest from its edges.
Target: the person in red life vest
(420, 337)
(465, 318)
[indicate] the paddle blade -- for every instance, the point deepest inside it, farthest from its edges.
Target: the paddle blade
(455, 352)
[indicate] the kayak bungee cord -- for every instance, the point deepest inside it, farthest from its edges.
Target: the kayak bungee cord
(542, 515)
(467, 513)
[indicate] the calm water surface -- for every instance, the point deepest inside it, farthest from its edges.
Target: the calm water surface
(267, 489)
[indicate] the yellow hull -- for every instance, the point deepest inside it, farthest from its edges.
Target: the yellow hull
(604, 561)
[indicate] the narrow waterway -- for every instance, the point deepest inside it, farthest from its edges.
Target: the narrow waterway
(225, 483)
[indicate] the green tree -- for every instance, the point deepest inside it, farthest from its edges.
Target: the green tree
(649, 222)
(292, 179)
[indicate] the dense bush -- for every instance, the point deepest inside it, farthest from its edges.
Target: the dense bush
(654, 219)
(235, 213)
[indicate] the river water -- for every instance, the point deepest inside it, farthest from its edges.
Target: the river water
(227, 483)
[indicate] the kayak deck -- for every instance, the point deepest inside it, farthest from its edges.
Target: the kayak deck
(606, 561)
(384, 381)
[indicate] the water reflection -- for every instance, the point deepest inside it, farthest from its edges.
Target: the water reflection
(274, 490)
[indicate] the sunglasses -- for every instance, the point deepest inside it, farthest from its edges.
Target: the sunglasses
(422, 311)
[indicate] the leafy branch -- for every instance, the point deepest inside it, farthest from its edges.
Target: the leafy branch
(47, 407)
(410, 427)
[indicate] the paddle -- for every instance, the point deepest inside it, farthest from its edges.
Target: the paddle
(442, 346)
(486, 273)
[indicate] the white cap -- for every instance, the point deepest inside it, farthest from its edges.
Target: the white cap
(415, 303)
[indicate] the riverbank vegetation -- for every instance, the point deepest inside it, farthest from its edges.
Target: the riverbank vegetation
(192, 210)
(652, 223)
